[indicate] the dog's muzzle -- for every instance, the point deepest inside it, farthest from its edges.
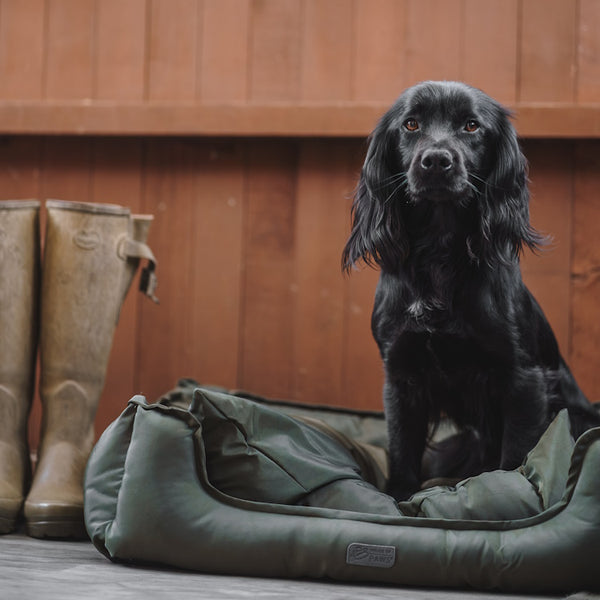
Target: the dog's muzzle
(437, 173)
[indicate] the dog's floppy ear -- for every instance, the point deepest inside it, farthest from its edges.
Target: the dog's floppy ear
(377, 235)
(505, 212)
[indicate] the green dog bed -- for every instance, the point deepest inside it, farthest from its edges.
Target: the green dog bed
(226, 484)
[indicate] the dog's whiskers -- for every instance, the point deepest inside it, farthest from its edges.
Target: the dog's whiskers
(478, 178)
(401, 176)
(393, 192)
(474, 187)
(486, 183)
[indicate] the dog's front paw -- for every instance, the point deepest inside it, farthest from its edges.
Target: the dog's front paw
(440, 481)
(400, 492)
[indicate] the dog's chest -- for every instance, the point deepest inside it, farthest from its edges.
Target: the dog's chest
(429, 292)
(441, 358)
(420, 309)
(428, 313)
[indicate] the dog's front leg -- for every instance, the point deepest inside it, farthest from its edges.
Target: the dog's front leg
(407, 423)
(525, 417)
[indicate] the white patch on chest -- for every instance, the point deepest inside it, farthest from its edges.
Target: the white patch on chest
(420, 309)
(417, 308)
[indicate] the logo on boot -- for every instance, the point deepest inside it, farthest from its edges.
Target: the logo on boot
(86, 239)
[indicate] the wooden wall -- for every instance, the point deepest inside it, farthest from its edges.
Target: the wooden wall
(214, 51)
(166, 106)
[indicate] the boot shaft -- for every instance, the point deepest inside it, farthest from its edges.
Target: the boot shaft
(82, 283)
(19, 277)
(90, 258)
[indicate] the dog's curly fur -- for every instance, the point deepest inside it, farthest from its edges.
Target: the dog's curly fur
(442, 208)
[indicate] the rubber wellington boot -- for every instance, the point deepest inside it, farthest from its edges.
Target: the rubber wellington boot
(90, 257)
(19, 283)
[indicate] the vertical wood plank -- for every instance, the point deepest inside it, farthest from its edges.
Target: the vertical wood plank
(117, 179)
(433, 40)
(327, 50)
(548, 274)
(120, 50)
(213, 305)
(547, 51)
(165, 337)
(267, 336)
(489, 49)
(379, 72)
(69, 47)
(172, 50)
(363, 368)
(321, 220)
(551, 188)
(585, 316)
(20, 175)
(275, 50)
(588, 52)
(223, 74)
(21, 49)
(66, 168)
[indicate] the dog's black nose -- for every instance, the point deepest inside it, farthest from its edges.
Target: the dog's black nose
(436, 160)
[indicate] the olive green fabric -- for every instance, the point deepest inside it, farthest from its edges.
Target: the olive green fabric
(151, 496)
(256, 453)
(535, 486)
(363, 433)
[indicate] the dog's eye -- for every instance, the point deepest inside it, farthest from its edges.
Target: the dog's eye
(471, 125)
(411, 125)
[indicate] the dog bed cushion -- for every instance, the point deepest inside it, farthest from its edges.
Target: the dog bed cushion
(229, 485)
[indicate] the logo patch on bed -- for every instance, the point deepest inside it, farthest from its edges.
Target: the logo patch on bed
(370, 555)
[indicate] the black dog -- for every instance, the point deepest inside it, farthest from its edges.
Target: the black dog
(442, 207)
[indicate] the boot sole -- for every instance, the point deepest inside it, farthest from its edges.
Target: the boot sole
(57, 529)
(7, 524)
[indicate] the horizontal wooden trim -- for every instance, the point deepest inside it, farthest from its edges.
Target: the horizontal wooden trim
(344, 119)
(557, 121)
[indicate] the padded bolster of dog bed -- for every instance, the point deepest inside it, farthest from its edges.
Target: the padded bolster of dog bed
(505, 495)
(212, 488)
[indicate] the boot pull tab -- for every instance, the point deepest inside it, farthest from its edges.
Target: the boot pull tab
(129, 248)
(149, 281)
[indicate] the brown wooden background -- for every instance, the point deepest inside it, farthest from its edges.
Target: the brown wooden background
(240, 124)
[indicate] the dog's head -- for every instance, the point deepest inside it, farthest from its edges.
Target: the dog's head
(442, 146)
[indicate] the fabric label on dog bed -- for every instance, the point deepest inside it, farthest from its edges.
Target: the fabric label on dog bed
(369, 555)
